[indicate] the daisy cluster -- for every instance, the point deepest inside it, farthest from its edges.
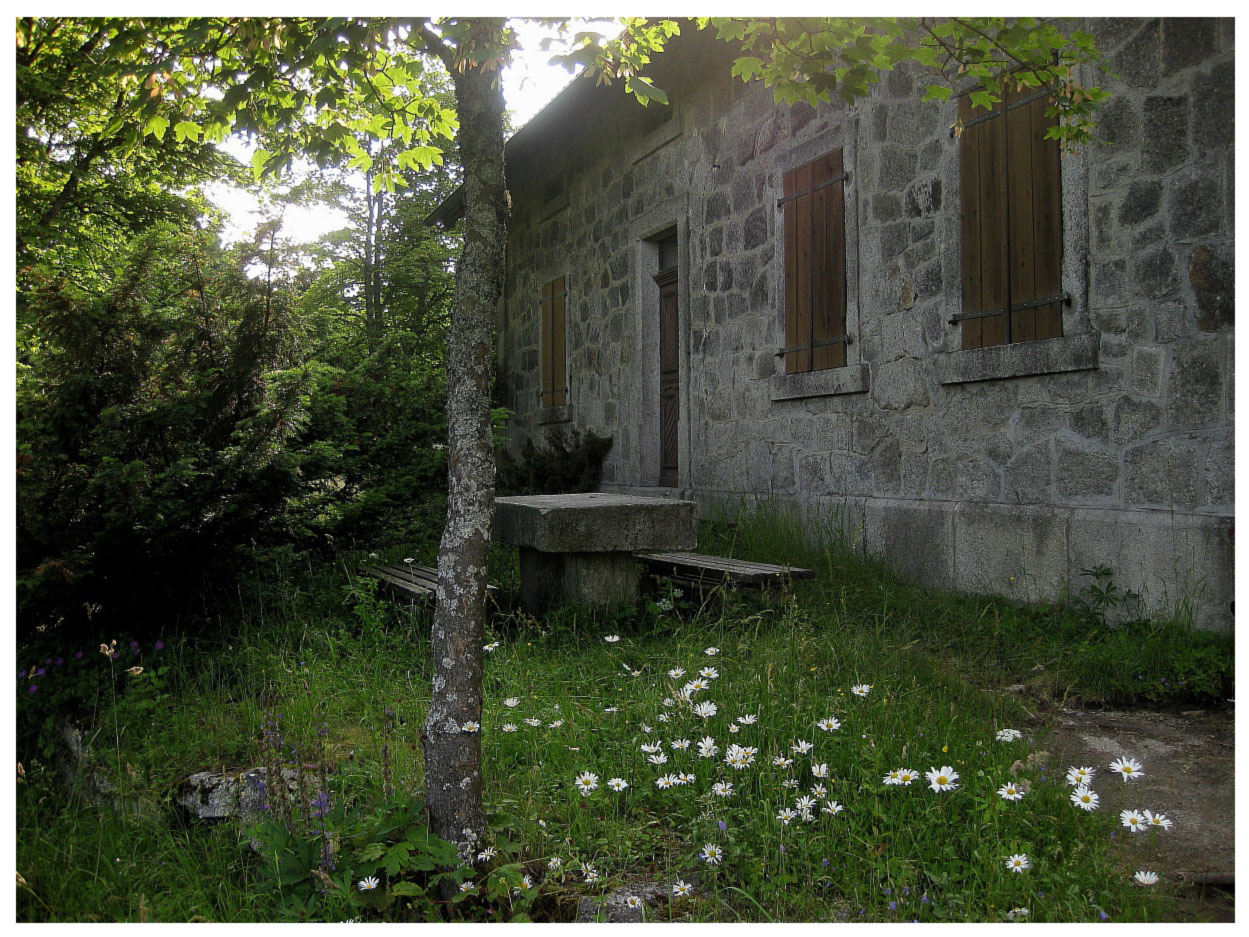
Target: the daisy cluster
(708, 751)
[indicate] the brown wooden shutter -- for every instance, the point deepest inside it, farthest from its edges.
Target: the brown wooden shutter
(544, 347)
(813, 198)
(982, 152)
(797, 268)
(554, 369)
(828, 264)
(1035, 218)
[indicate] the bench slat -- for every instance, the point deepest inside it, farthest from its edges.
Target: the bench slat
(412, 577)
(702, 566)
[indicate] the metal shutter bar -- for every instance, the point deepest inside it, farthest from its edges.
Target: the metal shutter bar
(1062, 297)
(820, 344)
(780, 202)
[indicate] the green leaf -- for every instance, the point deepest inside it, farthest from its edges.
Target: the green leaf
(185, 128)
(937, 93)
(407, 890)
(747, 67)
(156, 125)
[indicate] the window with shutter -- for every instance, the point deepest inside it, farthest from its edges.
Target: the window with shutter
(554, 391)
(1011, 223)
(813, 200)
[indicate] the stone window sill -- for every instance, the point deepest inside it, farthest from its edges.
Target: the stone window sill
(1018, 359)
(662, 135)
(553, 207)
(555, 415)
(852, 379)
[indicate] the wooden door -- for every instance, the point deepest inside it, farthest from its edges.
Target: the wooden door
(669, 378)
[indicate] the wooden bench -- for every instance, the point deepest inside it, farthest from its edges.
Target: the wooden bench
(420, 581)
(700, 569)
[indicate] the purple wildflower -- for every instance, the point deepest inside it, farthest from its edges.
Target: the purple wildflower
(34, 687)
(160, 645)
(893, 906)
(722, 825)
(41, 671)
(60, 661)
(78, 656)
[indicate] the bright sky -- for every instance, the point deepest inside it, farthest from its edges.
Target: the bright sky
(528, 85)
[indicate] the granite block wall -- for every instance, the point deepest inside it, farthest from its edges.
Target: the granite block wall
(1007, 470)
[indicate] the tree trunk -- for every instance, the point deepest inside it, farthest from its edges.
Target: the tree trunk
(452, 755)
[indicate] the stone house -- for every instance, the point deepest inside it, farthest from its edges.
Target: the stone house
(996, 366)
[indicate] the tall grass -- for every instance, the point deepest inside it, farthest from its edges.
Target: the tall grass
(327, 655)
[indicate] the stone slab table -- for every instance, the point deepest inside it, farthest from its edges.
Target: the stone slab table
(578, 548)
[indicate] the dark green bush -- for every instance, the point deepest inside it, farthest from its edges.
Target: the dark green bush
(568, 461)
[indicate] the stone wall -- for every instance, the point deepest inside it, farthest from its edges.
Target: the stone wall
(1005, 470)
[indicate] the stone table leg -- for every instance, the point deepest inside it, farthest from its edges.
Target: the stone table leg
(548, 580)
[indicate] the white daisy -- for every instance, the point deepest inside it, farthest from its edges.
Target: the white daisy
(1080, 776)
(722, 788)
(711, 854)
(748, 720)
(668, 702)
(804, 804)
(676, 673)
(1132, 819)
(368, 883)
(633, 901)
(1084, 798)
(790, 784)
(942, 779)
(666, 781)
(781, 761)
(681, 889)
(467, 886)
(709, 673)
(509, 727)
(800, 747)
(707, 747)
(586, 783)
(861, 689)
(734, 728)
(685, 778)
(829, 724)
(680, 744)
(819, 790)
(556, 724)
(611, 709)
(647, 729)
(664, 717)
(611, 638)
(533, 721)
(786, 815)
(471, 727)
(907, 775)
(487, 854)
(590, 876)
(555, 862)
(1017, 914)
(1018, 862)
(512, 702)
(1009, 735)
(659, 758)
(833, 808)
(1146, 878)
(651, 747)
(892, 777)
(820, 770)
(1010, 791)
(706, 709)
(617, 784)
(1157, 819)
(698, 683)
(711, 651)
(489, 648)
(1128, 767)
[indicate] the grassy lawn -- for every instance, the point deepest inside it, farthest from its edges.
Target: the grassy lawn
(342, 675)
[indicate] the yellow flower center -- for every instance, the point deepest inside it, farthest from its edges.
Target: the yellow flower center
(941, 779)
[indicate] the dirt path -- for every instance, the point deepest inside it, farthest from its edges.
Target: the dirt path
(1189, 775)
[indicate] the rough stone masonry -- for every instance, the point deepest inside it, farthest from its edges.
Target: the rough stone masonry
(1006, 470)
